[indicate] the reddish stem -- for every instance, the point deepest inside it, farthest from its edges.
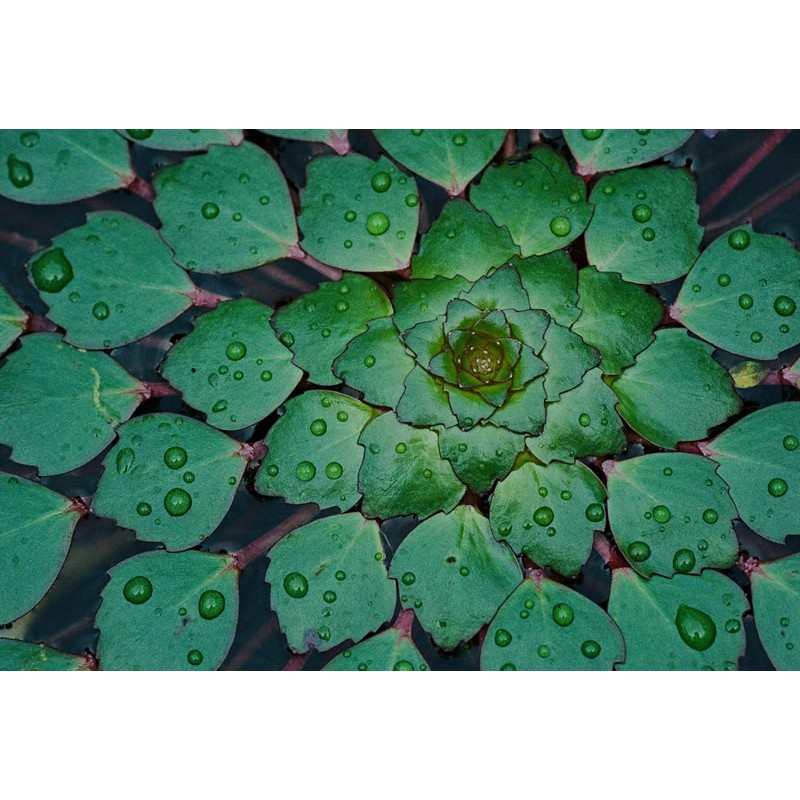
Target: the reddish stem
(748, 564)
(203, 299)
(288, 279)
(298, 254)
(81, 504)
(778, 377)
(39, 324)
(738, 175)
(534, 573)
(142, 188)
(253, 451)
(252, 644)
(340, 144)
(791, 377)
(691, 447)
(91, 662)
(296, 662)
(509, 145)
(261, 546)
(147, 390)
(603, 547)
(15, 240)
(404, 621)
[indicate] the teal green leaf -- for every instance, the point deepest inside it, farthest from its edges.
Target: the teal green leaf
(462, 241)
(552, 284)
(110, 281)
(232, 366)
(424, 300)
(546, 626)
(385, 652)
(226, 210)
(617, 318)
(645, 224)
(606, 150)
(524, 411)
(403, 472)
(329, 584)
(675, 365)
(62, 404)
(502, 289)
(181, 614)
(671, 512)
(482, 455)
(687, 622)
(318, 326)
(454, 574)
(550, 513)
(358, 214)
(582, 423)
(450, 158)
(169, 479)
(776, 601)
(16, 656)
(313, 454)
(12, 320)
(568, 359)
(538, 199)
(376, 363)
(334, 137)
(35, 532)
(183, 140)
(424, 401)
(742, 294)
(59, 166)
(759, 459)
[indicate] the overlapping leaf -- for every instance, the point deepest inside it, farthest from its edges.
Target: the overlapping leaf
(12, 320)
(184, 140)
(598, 150)
(776, 601)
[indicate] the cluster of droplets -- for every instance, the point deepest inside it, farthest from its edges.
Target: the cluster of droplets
(20, 171)
(592, 134)
(544, 515)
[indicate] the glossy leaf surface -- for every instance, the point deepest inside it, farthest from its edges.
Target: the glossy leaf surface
(605, 150)
(16, 655)
(776, 602)
(183, 140)
(389, 651)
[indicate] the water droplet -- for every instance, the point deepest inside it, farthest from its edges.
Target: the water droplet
(642, 213)
(733, 626)
(563, 614)
(696, 288)
(777, 487)
(668, 471)
(381, 181)
(426, 473)
(543, 651)
(177, 502)
(639, 551)
(318, 427)
(592, 133)
(542, 491)
(220, 405)
(683, 560)
(272, 470)
(590, 648)
(648, 234)
(566, 495)
(560, 226)
(374, 448)
(326, 332)
(695, 627)
(210, 210)
(305, 471)
(29, 139)
(329, 596)
(543, 516)
(584, 420)
(222, 369)
(710, 516)
(211, 604)
(101, 311)
(266, 375)
(295, 585)
(144, 509)
(125, 459)
(724, 280)
(790, 442)
(236, 351)
(20, 173)
(138, 590)
(459, 139)
(188, 477)
(502, 638)
(785, 306)
(334, 470)
(287, 339)
(175, 457)
(661, 514)
(52, 271)
(756, 337)
(739, 240)
(784, 622)
(195, 658)
(342, 306)
(377, 223)
(140, 134)
(595, 512)
(400, 448)
(340, 575)
(608, 189)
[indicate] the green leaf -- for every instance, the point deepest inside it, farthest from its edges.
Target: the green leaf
(169, 479)
(538, 199)
(424, 401)
(16, 655)
(550, 514)
(675, 365)
(232, 366)
(313, 451)
(12, 320)
(358, 214)
(385, 652)
(454, 574)
(606, 150)
(482, 455)
(376, 363)
(318, 326)
(617, 318)
(568, 359)
(183, 140)
(35, 534)
(329, 583)
(742, 294)
(181, 614)
(687, 622)
(670, 512)
(402, 471)
(451, 158)
(110, 281)
(582, 423)
(62, 404)
(462, 241)
(334, 137)
(59, 166)
(645, 224)
(546, 626)
(226, 210)
(424, 300)
(552, 284)
(759, 459)
(776, 600)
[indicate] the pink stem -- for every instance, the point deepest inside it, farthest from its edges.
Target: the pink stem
(604, 549)
(691, 447)
(15, 240)
(91, 662)
(149, 390)
(748, 564)
(404, 621)
(81, 504)
(203, 299)
(340, 144)
(332, 273)
(253, 451)
(142, 188)
(296, 662)
(39, 324)
(261, 546)
(509, 145)
(288, 279)
(251, 646)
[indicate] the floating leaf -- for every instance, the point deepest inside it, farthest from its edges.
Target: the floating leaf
(546, 626)
(232, 366)
(58, 166)
(16, 655)
(169, 479)
(759, 459)
(538, 199)
(318, 326)
(62, 404)
(776, 601)
(687, 622)
(329, 583)
(388, 651)
(313, 451)
(462, 241)
(35, 533)
(454, 574)
(183, 140)
(226, 210)
(168, 611)
(670, 512)
(12, 320)
(606, 150)
(403, 472)
(747, 374)
(418, 301)
(645, 224)
(617, 318)
(335, 137)
(551, 282)
(568, 359)
(742, 294)
(675, 365)
(110, 281)
(550, 514)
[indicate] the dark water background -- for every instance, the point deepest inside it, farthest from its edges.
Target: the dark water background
(65, 617)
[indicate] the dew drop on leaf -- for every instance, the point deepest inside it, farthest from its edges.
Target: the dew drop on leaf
(236, 351)
(560, 226)
(195, 658)
(377, 223)
(639, 551)
(210, 210)
(590, 648)
(318, 427)
(295, 585)
(177, 502)
(125, 460)
(695, 627)
(175, 457)
(683, 560)
(502, 638)
(739, 240)
(20, 172)
(381, 181)
(777, 487)
(52, 271)
(211, 604)
(305, 471)
(144, 509)
(543, 516)
(563, 614)
(138, 590)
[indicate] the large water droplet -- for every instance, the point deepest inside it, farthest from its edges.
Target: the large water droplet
(695, 627)
(381, 181)
(683, 560)
(140, 134)
(661, 514)
(563, 614)
(710, 516)
(543, 516)
(334, 470)
(319, 427)
(177, 502)
(595, 512)
(590, 648)
(642, 213)
(210, 210)
(295, 585)
(639, 551)
(175, 457)
(144, 509)
(52, 271)
(305, 471)
(560, 226)
(101, 311)
(502, 638)
(785, 306)
(377, 223)
(408, 578)
(459, 139)
(592, 133)
(790, 442)
(195, 658)
(777, 487)
(211, 604)
(403, 666)
(236, 351)
(138, 590)
(20, 173)
(125, 459)
(739, 240)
